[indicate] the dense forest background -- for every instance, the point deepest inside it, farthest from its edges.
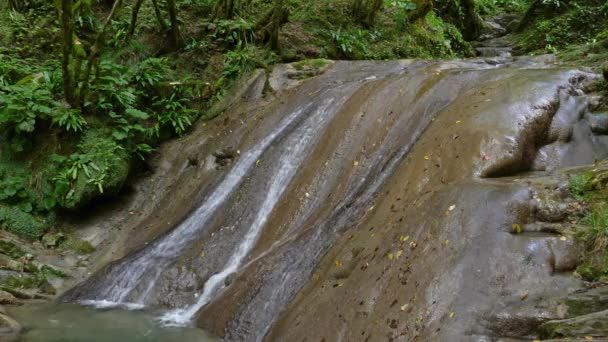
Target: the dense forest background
(89, 88)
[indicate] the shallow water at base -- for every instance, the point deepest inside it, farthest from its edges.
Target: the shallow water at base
(70, 322)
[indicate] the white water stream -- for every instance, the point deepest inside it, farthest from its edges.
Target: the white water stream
(157, 257)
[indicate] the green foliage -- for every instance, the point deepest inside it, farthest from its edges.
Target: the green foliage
(402, 9)
(70, 120)
(100, 166)
(580, 184)
(22, 105)
(236, 33)
(10, 249)
(564, 24)
(352, 45)
(172, 111)
(592, 233)
(20, 222)
(239, 61)
(150, 72)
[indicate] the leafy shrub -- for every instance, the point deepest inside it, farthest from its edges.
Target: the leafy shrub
(172, 111)
(237, 32)
(239, 61)
(352, 45)
(22, 105)
(149, 72)
(70, 120)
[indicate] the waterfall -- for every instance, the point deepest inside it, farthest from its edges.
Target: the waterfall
(291, 159)
(162, 252)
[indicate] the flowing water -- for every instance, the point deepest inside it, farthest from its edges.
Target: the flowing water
(337, 176)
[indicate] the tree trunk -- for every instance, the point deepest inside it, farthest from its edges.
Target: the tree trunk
(224, 9)
(268, 27)
(134, 14)
(364, 11)
(473, 23)
(67, 25)
(175, 36)
(97, 47)
(159, 16)
(277, 21)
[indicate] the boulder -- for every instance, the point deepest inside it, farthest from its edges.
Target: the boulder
(52, 240)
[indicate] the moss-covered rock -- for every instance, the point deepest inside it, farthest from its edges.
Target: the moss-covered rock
(594, 324)
(102, 169)
(17, 221)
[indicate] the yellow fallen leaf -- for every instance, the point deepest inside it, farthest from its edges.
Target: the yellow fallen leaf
(516, 228)
(588, 337)
(413, 244)
(452, 314)
(401, 91)
(535, 340)
(257, 162)
(356, 163)
(338, 263)
(426, 158)
(452, 207)
(404, 238)
(563, 238)
(390, 256)
(457, 121)
(399, 253)
(307, 194)
(446, 242)
(340, 284)
(404, 307)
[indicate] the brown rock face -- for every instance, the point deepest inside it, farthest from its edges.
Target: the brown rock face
(382, 206)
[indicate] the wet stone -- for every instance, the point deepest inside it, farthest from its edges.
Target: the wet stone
(598, 123)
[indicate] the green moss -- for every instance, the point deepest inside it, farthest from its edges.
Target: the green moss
(590, 186)
(24, 282)
(581, 184)
(10, 249)
(79, 246)
(318, 63)
(21, 223)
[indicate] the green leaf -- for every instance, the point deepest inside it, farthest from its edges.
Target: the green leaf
(137, 114)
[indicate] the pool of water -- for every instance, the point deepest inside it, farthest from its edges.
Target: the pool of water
(70, 322)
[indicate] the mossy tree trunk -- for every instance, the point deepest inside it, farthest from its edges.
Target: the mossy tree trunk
(97, 48)
(365, 11)
(15, 5)
(268, 28)
(159, 16)
(67, 25)
(134, 15)
(473, 23)
(175, 37)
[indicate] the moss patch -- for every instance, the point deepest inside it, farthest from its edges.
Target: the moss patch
(591, 188)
